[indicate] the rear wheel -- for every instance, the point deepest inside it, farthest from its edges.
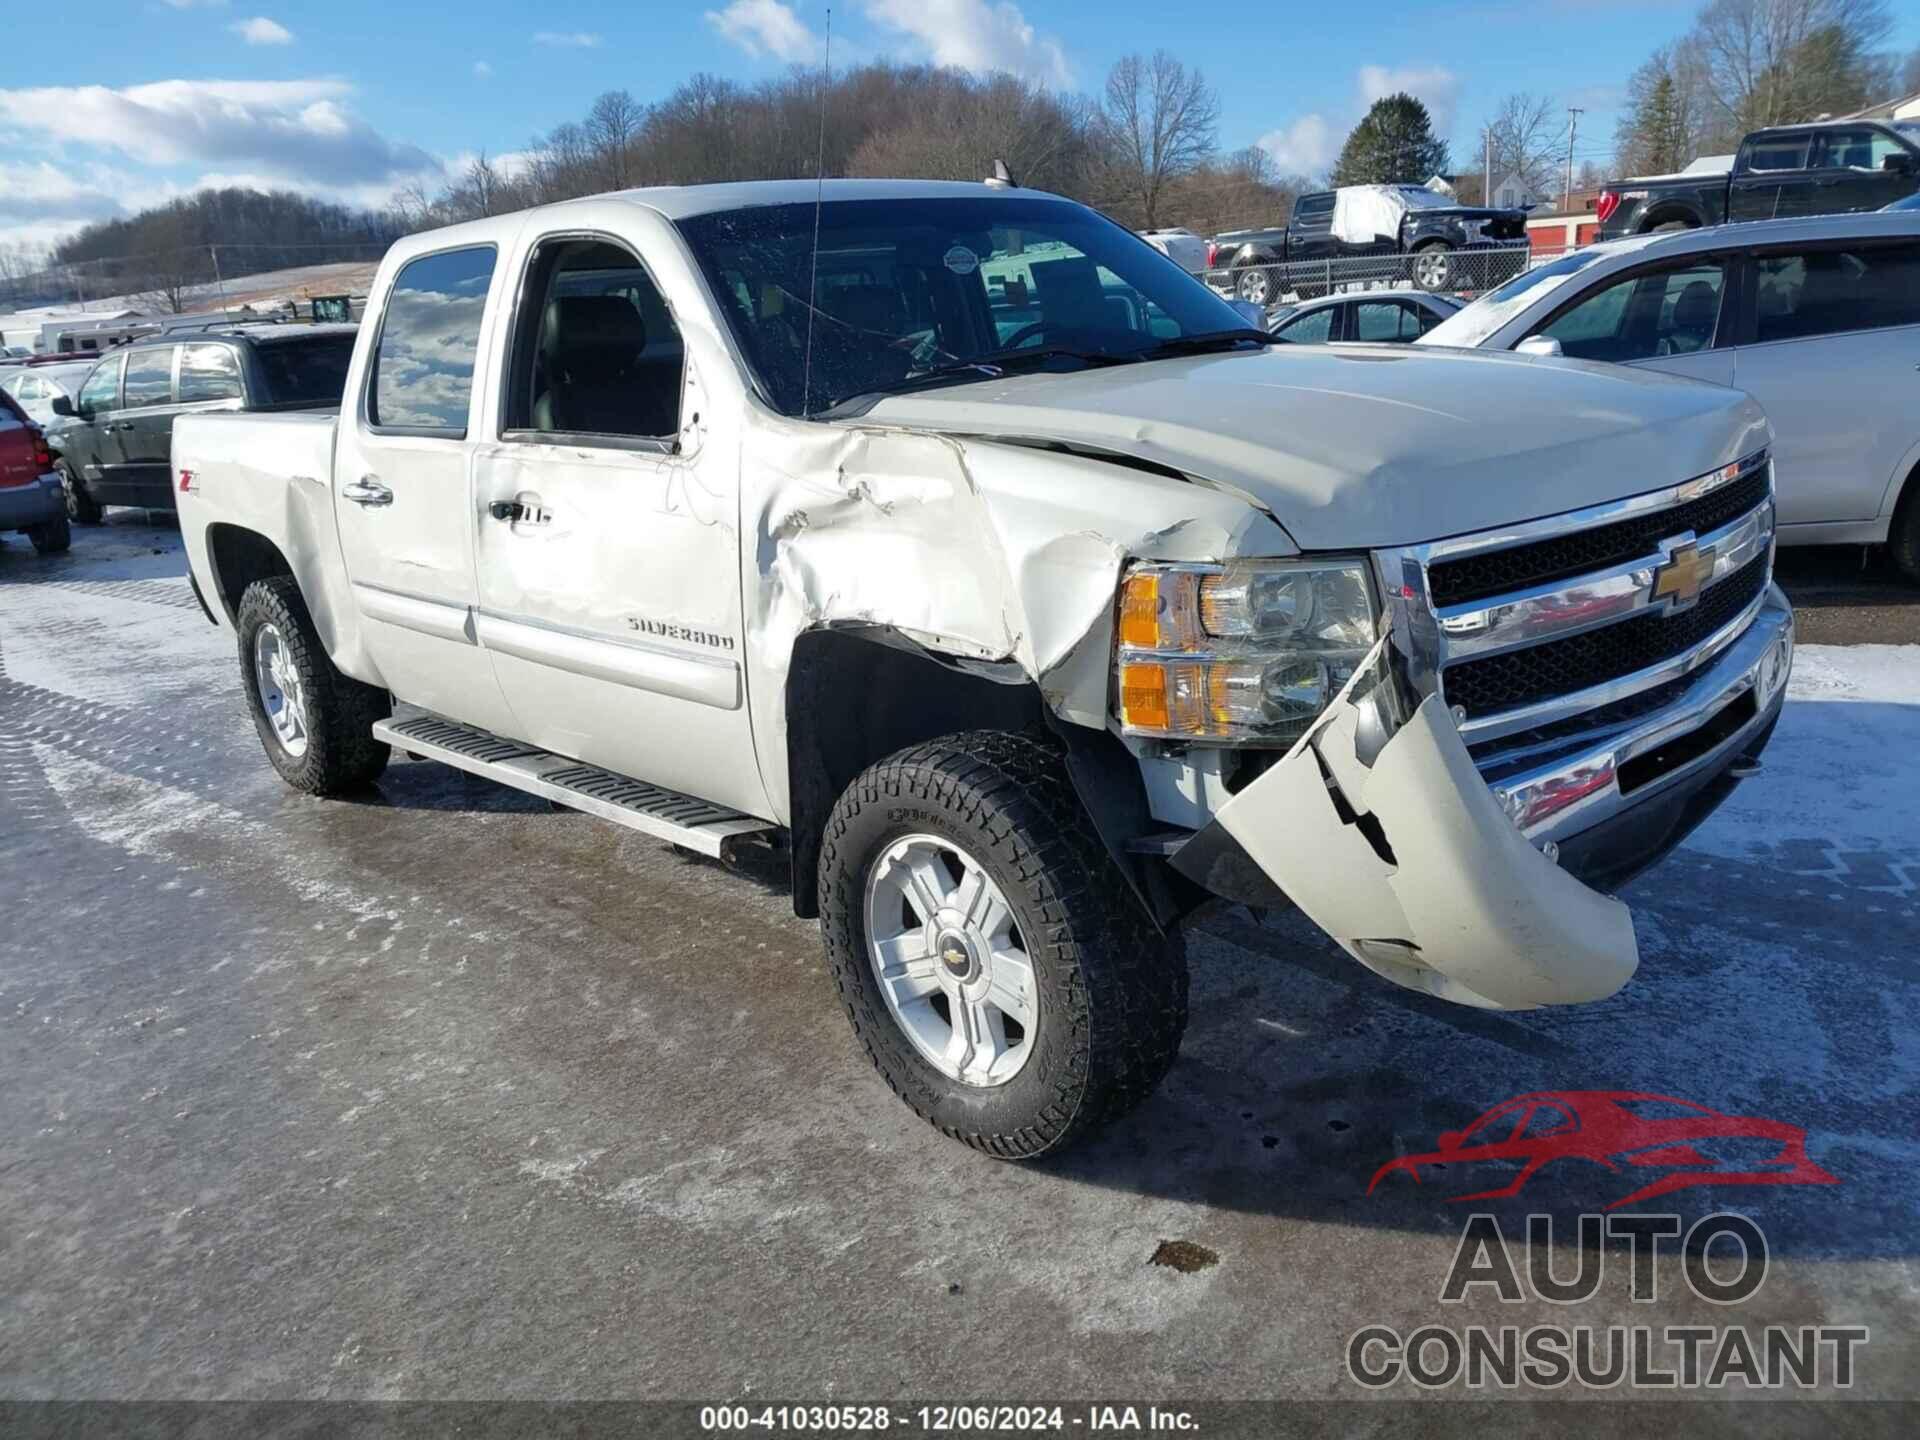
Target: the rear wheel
(315, 723)
(82, 508)
(1433, 268)
(994, 963)
(50, 537)
(1904, 541)
(1257, 287)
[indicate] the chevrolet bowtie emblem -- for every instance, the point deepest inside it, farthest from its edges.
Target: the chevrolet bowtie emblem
(1684, 575)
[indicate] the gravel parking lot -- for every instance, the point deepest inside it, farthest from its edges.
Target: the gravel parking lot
(441, 1094)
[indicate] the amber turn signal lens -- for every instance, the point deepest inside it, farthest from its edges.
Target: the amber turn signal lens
(1143, 696)
(1140, 612)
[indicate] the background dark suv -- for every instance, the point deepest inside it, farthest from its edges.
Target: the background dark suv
(116, 447)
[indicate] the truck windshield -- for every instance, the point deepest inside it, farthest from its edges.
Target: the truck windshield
(307, 371)
(918, 290)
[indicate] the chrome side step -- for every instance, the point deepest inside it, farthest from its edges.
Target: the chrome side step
(665, 814)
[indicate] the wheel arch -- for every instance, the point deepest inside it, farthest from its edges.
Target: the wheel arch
(1669, 212)
(238, 557)
(909, 693)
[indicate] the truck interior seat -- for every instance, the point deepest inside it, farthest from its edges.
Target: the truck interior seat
(599, 378)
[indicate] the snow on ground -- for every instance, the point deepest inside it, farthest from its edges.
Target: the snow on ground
(1843, 772)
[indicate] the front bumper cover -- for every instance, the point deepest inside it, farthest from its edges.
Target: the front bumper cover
(1422, 872)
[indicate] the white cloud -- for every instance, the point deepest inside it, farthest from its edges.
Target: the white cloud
(297, 130)
(262, 31)
(766, 26)
(1309, 144)
(1434, 86)
(568, 39)
(482, 70)
(977, 36)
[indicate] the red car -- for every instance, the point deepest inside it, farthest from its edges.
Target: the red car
(31, 498)
(1623, 1130)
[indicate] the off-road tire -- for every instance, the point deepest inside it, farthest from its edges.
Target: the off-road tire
(341, 753)
(82, 508)
(1112, 989)
(50, 537)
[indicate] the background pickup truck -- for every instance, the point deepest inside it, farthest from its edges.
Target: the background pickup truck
(1790, 171)
(956, 546)
(1388, 221)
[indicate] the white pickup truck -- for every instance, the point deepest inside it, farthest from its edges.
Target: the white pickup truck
(957, 543)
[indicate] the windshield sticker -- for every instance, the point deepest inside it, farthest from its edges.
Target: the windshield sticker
(961, 261)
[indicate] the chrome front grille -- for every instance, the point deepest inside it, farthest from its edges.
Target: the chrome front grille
(1529, 631)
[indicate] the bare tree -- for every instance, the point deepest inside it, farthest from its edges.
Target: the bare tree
(1527, 134)
(1770, 62)
(1666, 119)
(612, 122)
(1040, 136)
(1157, 121)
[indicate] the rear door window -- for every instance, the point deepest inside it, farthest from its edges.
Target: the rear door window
(208, 372)
(422, 372)
(1313, 328)
(150, 377)
(1384, 320)
(1829, 291)
(1776, 152)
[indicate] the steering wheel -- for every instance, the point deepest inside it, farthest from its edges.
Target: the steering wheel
(1067, 333)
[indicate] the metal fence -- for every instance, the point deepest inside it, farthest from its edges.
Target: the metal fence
(1449, 272)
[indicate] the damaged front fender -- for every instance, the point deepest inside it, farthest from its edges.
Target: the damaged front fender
(1413, 867)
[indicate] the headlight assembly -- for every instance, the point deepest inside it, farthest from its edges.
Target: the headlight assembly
(1246, 653)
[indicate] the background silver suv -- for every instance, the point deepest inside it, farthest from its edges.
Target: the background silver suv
(1818, 320)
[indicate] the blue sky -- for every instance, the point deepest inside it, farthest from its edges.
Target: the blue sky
(115, 105)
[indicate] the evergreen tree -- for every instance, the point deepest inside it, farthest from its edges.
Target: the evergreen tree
(1393, 145)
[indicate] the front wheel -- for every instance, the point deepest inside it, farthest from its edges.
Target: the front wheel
(316, 723)
(994, 963)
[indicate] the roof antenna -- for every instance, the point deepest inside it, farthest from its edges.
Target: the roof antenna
(819, 186)
(1001, 178)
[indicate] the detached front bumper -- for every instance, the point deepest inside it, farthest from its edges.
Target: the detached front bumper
(1432, 873)
(24, 506)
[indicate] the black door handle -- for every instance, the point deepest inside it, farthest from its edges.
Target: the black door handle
(506, 510)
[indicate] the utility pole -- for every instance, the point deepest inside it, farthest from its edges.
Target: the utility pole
(1573, 129)
(213, 253)
(1486, 185)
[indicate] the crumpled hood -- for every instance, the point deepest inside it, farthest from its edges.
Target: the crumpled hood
(1365, 446)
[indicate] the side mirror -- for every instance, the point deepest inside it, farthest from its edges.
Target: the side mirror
(1254, 315)
(1898, 163)
(62, 405)
(1539, 345)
